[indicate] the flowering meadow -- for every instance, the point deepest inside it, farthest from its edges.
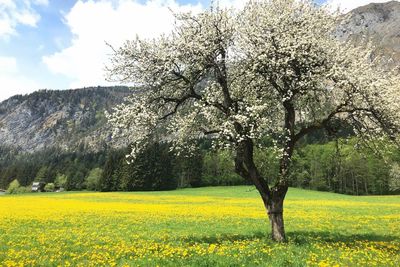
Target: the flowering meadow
(220, 226)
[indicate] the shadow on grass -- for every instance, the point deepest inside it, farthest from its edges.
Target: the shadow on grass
(297, 238)
(221, 238)
(303, 237)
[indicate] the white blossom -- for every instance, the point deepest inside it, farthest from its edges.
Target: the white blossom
(230, 75)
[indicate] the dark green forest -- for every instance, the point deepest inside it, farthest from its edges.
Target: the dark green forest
(337, 166)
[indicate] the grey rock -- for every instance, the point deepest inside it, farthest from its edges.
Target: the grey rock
(59, 118)
(378, 23)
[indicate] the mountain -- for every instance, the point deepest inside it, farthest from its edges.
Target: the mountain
(59, 118)
(378, 23)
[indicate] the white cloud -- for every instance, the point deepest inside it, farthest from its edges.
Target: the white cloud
(11, 81)
(6, 28)
(16, 12)
(27, 18)
(95, 23)
(347, 5)
(41, 2)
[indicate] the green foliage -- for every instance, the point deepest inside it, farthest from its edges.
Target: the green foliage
(16, 188)
(50, 187)
(266, 159)
(13, 187)
(24, 189)
(394, 181)
(76, 178)
(219, 169)
(152, 169)
(47, 165)
(109, 178)
(92, 181)
(342, 167)
(60, 181)
(41, 175)
(189, 169)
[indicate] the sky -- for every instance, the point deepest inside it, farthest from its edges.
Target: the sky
(62, 44)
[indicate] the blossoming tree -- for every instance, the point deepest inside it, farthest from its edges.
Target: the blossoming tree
(273, 68)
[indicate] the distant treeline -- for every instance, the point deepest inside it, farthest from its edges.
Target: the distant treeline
(329, 166)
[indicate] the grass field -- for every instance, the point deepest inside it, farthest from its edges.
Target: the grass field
(221, 226)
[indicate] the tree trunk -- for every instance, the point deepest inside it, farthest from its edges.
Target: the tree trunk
(366, 186)
(357, 191)
(275, 214)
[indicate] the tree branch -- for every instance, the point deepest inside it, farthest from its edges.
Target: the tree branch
(324, 124)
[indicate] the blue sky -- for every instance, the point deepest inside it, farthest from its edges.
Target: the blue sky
(60, 44)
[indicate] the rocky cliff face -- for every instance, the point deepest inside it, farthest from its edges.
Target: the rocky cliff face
(378, 23)
(66, 119)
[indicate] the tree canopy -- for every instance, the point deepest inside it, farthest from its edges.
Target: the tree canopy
(273, 68)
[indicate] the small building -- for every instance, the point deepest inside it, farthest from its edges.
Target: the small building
(38, 187)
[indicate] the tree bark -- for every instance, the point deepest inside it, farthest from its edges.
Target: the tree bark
(275, 214)
(366, 186)
(278, 229)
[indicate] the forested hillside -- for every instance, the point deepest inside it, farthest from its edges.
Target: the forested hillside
(320, 164)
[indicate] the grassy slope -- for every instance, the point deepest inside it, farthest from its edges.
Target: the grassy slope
(224, 226)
